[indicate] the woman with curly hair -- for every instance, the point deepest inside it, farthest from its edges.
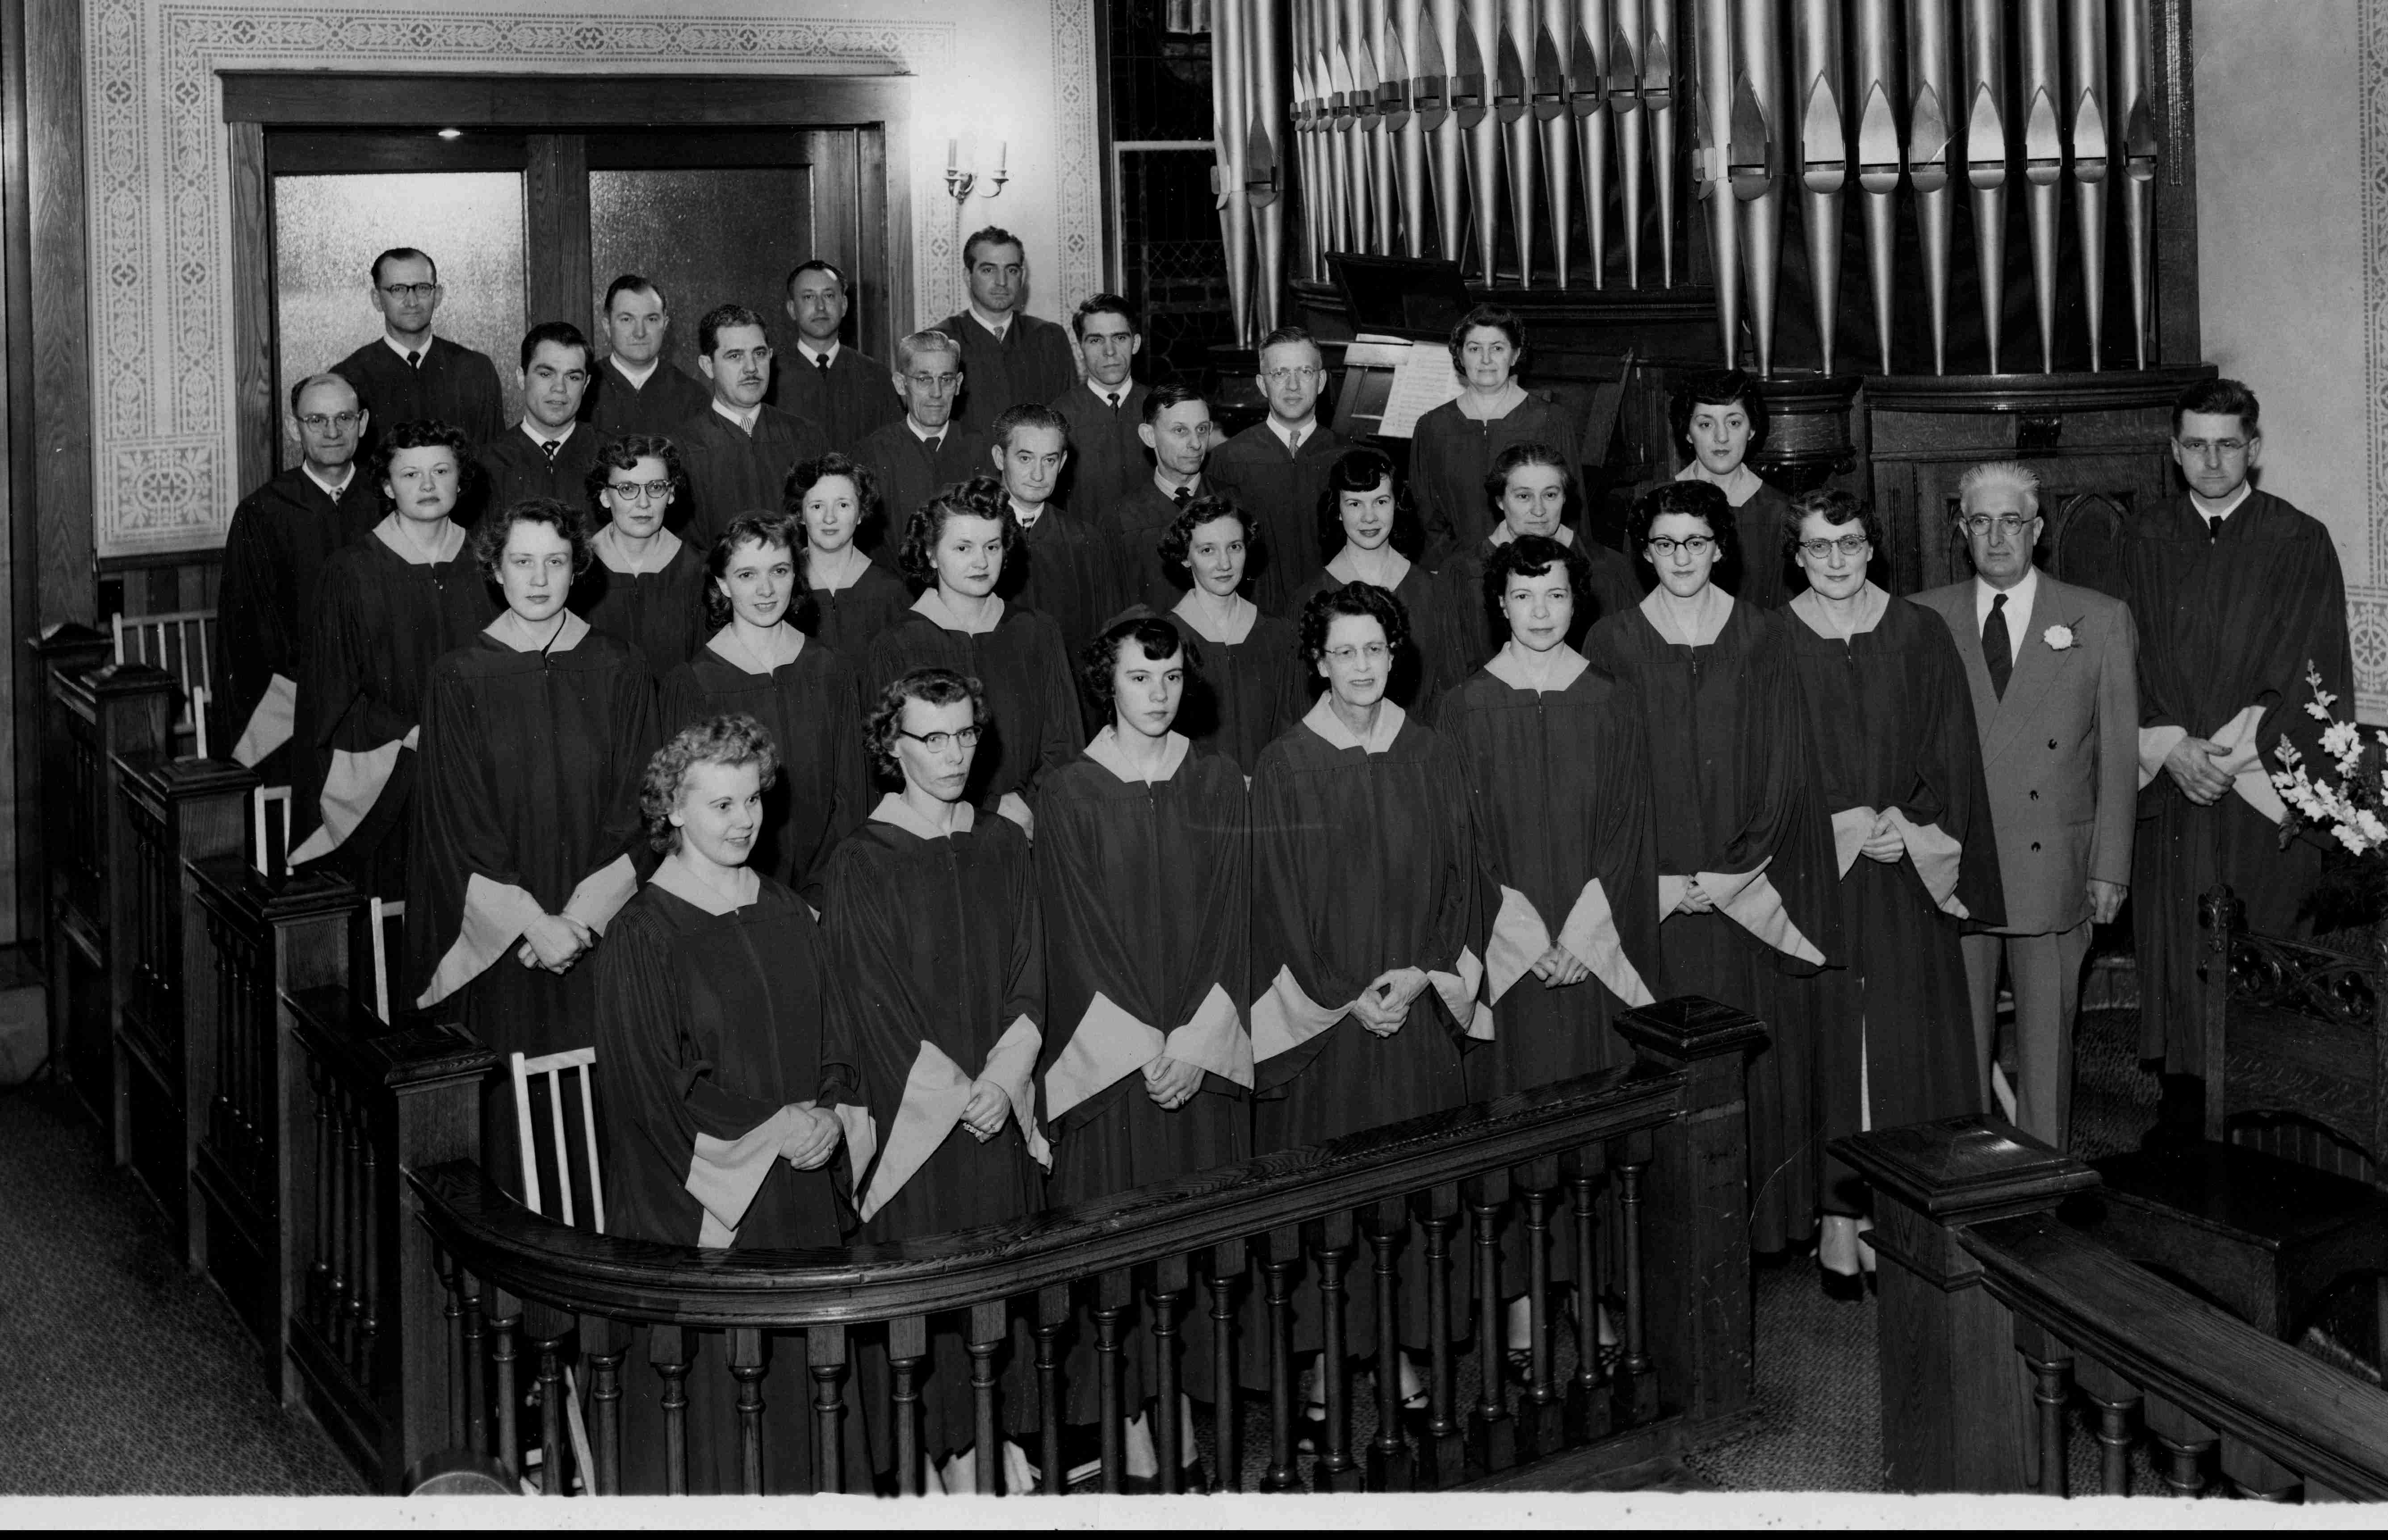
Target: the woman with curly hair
(646, 586)
(712, 989)
(1249, 689)
(1532, 490)
(387, 607)
(535, 735)
(854, 596)
(930, 1054)
(1719, 421)
(805, 695)
(1370, 534)
(1455, 443)
(954, 553)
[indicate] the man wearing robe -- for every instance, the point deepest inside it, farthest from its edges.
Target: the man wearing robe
(2238, 597)
(551, 450)
(1105, 409)
(1177, 429)
(407, 375)
(1275, 470)
(1009, 356)
(281, 536)
(923, 451)
(738, 452)
(637, 389)
(842, 388)
(1064, 567)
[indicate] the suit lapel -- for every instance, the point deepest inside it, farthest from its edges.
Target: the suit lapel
(1957, 608)
(2036, 666)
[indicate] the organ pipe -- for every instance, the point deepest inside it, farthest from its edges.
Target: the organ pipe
(1984, 81)
(1817, 95)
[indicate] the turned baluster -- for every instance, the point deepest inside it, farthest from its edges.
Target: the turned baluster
(1052, 1316)
(2048, 1392)
(2185, 1442)
(1491, 1435)
(907, 1348)
(1539, 1431)
(1389, 1462)
(987, 1321)
(1282, 1256)
(607, 1343)
(1635, 1392)
(549, 1340)
(1226, 1266)
(368, 1289)
(2116, 1400)
(747, 1367)
(1587, 1409)
(506, 1322)
(667, 1350)
(453, 1312)
(1171, 1281)
(351, 1252)
(1443, 1456)
(319, 1272)
(332, 1220)
(1334, 1469)
(825, 1355)
(2253, 1474)
(1111, 1304)
(476, 1400)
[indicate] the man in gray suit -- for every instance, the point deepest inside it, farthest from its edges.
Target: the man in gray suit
(2055, 680)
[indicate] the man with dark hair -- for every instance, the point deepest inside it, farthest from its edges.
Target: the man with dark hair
(1276, 469)
(2238, 597)
(407, 374)
(548, 453)
(1008, 355)
(637, 389)
(924, 450)
(281, 535)
(738, 452)
(843, 388)
(1068, 568)
(1177, 428)
(1107, 459)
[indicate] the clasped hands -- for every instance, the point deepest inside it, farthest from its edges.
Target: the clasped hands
(554, 942)
(1384, 1005)
(814, 1137)
(1172, 1082)
(2197, 766)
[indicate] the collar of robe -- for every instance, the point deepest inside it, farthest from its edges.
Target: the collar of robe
(612, 550)
(1517, 668)
(1873, 605)
(933, 603)
(1107, 751)
(452, 541)
(683, 883)
(637, 381)
(852, 564)
(510, 630)
(893, 809)
(1241, 613)
(1717, 607)
(1502, 535)
(787, 645)
(2230, 505)
(744, 421)
(1345, 567)
(1323, 720)
(1738, 488)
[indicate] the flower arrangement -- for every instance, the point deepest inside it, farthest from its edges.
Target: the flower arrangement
(2349, 801)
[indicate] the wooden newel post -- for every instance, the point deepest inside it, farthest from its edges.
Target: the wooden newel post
(1696, 1206)
(1957, 1410)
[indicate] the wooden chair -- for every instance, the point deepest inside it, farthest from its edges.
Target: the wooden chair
(552, 1068)
(181, 642)
(269, 817)
(2284, 1200)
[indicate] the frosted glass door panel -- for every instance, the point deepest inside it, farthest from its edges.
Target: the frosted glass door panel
(709, 237)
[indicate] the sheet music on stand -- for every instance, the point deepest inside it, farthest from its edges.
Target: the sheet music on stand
(1423, 380)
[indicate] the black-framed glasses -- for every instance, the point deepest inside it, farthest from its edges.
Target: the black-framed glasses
(640, 491)
(316, 422)
(1288, 377)
(938, 742)
(1373, 652)
(1690, 545)
(1847, 545)
(408, 291)
(2008, 525)
(2199, 449)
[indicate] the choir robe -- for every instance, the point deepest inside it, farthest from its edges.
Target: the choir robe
(1278, 492)
(1247, 690)
(855, 394)
(812, 707)
(1363, 860)
(381, 620)
(1435, 660)
(282, 536)
(1031, 690)
(733, 472)
(1891, 720)
(452, 385)
(1480, 631)
(1034, 361)
(531, 764)
(617, 409)
(1134, 524)
(660, 611)
(1107, 456)
(1451, 452)
(850, 618)
(1064, 567)
(2229, 628)
(1147, 901)
(938, 953)
(708, 1029)
(909, 475)
(1735, 803)
(515, 467)
(1765, 575)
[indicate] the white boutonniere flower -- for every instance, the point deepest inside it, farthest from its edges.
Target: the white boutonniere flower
(2059, 638)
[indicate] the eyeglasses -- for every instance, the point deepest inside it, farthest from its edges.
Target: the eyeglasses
(2200, 448)
(316, 422)
(408, 291)
(1847, 545)
(1375, 651)
(935, 382)
(1690, 545)
(938, 742)
(1289, 376)
(640, 491)
(1979, 525)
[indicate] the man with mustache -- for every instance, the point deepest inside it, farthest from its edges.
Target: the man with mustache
(738, 452)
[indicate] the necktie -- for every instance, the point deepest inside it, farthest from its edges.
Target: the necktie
(1293, 442)
(1112, 397)
(414, 358)
(929, 445)
(1182, 496)
(2212, 529)
(1996, 651)
(820, 362)
(550, 446)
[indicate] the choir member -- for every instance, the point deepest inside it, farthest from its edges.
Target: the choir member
(637, 389)
(387, 607)
(1177, 427)
(938, 952)
(1532, 490)
(2238, 597)
(738, 450)
(535, 735)
(1249, 689)
(647, 585)
(842, 388)
(1104, 410)
(712, 990)
(1746, 889)
(955, 550)
(1065, 566)
(926, 451)
(1143, 870)
(407, 375)
(1009, 355)
(551, 454)
(1899, 765)
(806, 696)
(1455, 443)
(1276, 469)
(851, 598)
(1370, 533)
(1720, 421)
(281, 537)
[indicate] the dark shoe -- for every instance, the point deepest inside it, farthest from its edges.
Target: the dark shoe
(1843, 1287)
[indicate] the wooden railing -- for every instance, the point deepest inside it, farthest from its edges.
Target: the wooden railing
(1669, 1137)
(1993, 1311)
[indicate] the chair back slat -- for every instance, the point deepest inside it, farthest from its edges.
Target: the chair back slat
(180, 643)
(552, 1068)
(383, 914)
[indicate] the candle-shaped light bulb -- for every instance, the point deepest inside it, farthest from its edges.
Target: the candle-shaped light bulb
(1000, 146)
(953, 154)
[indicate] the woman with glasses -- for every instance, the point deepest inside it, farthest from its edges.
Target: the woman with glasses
(936, 1022)
(1531, 492)
(1370, 535)
(803, 692)
(1454, 444)
(1720, 421)
(647, 585)
(1899, 768)
(849, 598)
(1745, 852)
(1248, 691)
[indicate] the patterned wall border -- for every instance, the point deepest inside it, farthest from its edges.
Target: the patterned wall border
(2367, 606)
(161, 196)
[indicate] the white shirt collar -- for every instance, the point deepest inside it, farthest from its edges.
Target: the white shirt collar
(933, 603)
(745, 420)
(893, 809)
(330, 490)
(2018, 611)
(1160, 481)
(1105, 751)
(926, 434)
(637, 377)
(1509, 666)
(1287, 435)
(1024, 517)
(2215, 512)
(1242, 614)
(540, 435)
(511, 629)
(998, 325)
(401, 349)
(610, 548)
(813, 355)
(1501, 534)
(1323, 720)
(1124, 389)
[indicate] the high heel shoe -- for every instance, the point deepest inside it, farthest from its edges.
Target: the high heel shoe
(1842, 1288)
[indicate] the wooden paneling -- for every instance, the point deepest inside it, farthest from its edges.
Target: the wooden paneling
(61, 314)
(555, 197)
(256, 419)
(20, 686)
(562, 101)
(336, 151)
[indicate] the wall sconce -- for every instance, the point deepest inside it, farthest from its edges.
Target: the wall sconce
(961, 179)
